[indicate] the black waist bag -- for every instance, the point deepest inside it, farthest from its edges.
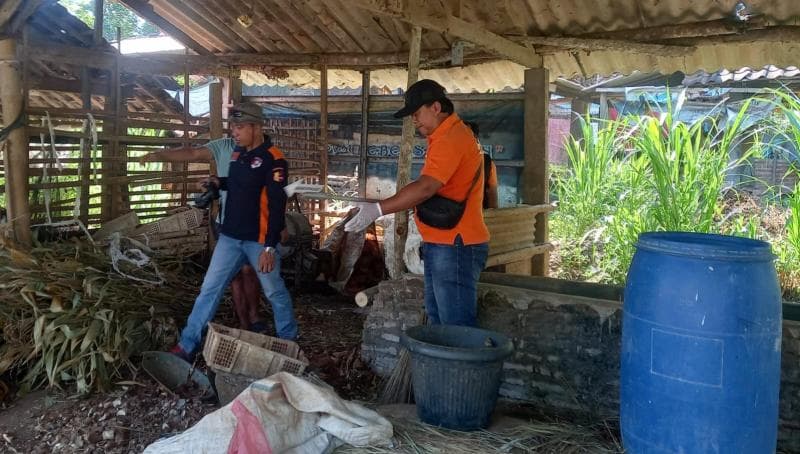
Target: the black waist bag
(443, 213)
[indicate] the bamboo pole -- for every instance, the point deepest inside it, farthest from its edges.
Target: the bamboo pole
(404, 160)
(16, 151)
(323, 133)
(120, 199)
(362, 161)
(183, 165)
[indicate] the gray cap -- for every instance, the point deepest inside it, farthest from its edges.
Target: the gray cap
(246, 112)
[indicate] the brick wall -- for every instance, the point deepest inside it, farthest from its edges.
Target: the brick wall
(566, 360)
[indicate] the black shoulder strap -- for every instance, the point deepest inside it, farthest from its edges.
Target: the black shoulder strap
(474, 179)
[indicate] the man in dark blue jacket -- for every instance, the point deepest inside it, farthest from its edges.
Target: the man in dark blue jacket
(254, 219)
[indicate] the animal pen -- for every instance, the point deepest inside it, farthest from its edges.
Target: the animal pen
(77, 114)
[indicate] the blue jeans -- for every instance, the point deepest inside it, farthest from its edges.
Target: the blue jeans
(451, 281)
(229, 256)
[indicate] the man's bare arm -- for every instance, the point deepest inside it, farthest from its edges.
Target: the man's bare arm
(183, 154)
(412, 195)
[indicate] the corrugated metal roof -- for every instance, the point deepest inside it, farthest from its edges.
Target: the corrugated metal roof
(741, 75)
(337, 26)
(482, 78)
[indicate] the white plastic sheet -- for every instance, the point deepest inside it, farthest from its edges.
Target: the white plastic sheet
(293, 415)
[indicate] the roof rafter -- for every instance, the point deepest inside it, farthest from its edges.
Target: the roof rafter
(593, 44)
(419, 12)
(164, 64)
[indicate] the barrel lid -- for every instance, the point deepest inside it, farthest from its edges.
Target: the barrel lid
(708, 245)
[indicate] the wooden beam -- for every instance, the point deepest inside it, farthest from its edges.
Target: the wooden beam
(144, 9)
(784, 34)
(417, 12)
(68, 85)
(173, 64)
(676, 31)
(16, 150)
(406, 153)
(362, 160)
(593, 44)
(535, 174)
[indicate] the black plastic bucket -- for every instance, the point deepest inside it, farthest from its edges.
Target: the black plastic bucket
(455, 371)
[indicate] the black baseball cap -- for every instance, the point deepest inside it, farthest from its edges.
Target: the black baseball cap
(421, 93)
(246, 112)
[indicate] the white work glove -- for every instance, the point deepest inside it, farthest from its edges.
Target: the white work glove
(367, 213)
(292, 188)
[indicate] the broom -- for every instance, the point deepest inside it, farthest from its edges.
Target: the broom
(398, 389)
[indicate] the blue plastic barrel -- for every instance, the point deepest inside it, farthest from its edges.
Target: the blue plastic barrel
(701, 346)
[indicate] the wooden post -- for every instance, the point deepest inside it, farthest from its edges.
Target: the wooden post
(579, 108)
(16, 154)
(323, 140)
(215, 132)
(236, 90)
(535, 174)
(121, 201)
(603, 106)
(406, 153)
(362, 160)
(215, 115)
(184, 166)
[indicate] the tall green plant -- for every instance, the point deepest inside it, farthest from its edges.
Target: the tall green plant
(688, 165)
(586, 189)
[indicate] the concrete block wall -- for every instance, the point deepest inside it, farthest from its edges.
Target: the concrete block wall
(566, 360)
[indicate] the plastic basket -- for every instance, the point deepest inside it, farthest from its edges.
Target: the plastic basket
(189, 219)
(246, 353)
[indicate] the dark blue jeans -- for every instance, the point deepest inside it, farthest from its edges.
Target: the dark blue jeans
(451, 281)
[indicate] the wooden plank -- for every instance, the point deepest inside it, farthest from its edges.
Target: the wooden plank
(16, 156)
(535, 174)
(406, 149)
(589, 44)
(362, 159)
(522, 267)
(520, 254)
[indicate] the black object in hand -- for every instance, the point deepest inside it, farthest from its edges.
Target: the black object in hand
(211, 193)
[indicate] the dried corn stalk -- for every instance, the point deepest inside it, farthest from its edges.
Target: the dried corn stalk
(66, 317)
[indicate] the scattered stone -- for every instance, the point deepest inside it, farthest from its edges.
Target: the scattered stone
(108, 434)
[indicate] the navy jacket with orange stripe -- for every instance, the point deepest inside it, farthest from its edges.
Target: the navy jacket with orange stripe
(256, 204)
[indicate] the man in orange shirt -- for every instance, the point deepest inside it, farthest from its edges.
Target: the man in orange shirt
(454, 253)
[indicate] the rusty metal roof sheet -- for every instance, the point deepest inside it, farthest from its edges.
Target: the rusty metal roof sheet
(336, 26)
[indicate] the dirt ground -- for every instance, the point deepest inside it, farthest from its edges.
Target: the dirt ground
(138, 411)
